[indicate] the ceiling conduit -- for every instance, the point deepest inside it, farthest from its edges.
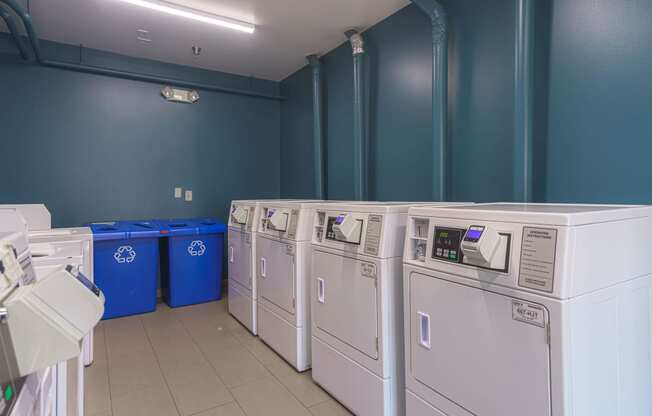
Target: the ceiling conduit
(34, 41)
(11, 25)
(318, 131)
(524, 102)
(360, 148)
(439, 173)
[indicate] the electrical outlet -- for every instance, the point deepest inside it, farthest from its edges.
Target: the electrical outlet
(178, 192)
(188, 196)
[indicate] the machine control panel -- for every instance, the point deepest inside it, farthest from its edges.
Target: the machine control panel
(480, 243)
(347, 228)
(352, 231)
(277, 219)
(447, 244)
(240, 215)
(474, 245)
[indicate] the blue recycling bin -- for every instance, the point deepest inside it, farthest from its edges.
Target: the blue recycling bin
(126, 265)
(191, 261)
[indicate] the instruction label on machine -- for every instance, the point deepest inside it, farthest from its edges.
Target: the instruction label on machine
(538, 249)
(294, 221)
(372, 239)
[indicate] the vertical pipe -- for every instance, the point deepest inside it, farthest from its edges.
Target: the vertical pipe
(524, 101)
(359, 119)
(440, 169)
(318, 131)
(11, 25)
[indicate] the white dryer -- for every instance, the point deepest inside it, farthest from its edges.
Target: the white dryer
(529, 309)
(241, 252)
(242, 262)
(283, 257)
(357, 323)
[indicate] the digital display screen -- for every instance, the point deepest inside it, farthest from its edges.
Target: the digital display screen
(339, 220)
(474, 234)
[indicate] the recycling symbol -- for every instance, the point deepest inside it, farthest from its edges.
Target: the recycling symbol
(197, 248)
(124, 254)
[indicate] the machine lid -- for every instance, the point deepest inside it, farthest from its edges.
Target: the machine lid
(549, 214)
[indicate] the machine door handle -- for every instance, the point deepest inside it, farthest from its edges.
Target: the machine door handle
(263, 264)
(321, 290)
(424, 329)
(231, 254)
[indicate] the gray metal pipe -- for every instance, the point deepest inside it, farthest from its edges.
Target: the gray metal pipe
(318, 131)
(11, 25)
(524, 102)
(360, 148)
(33, 37)
(440, 170)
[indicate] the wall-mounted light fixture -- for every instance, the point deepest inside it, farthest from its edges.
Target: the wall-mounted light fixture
(179, 95)
(193, 14)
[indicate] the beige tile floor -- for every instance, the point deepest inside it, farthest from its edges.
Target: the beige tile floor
(196, 360)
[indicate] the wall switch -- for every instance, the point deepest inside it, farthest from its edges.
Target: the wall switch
(188, 196)
(177, 192)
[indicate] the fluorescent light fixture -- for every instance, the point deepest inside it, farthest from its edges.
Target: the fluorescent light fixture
(188, 13)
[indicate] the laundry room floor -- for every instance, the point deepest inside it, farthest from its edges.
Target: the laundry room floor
(196, 360)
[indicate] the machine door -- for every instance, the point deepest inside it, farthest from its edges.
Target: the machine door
(345, 301)
(239, 255)
(475, 348)
(276, 273)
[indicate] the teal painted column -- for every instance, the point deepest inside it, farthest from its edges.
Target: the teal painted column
(318, 131)
(361, 187)
(523, 173)
(440, 169)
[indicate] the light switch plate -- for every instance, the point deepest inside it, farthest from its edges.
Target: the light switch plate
(188, 196)
(178, 192)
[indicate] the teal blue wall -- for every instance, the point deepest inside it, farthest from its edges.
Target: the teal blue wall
(96, 148)
(600, 116)
(399, 66)
(592, 117)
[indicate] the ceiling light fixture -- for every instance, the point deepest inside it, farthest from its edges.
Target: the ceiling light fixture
(197, 15)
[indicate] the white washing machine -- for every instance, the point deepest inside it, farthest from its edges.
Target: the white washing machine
(51, 249)
(356, 298)
(242, 262)
(283, 257)
(543, 310)
(242, 284)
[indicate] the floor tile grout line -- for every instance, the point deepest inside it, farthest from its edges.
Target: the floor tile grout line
(278, 379)
(201, 351)
(158, 363)
(108, 369)
(230, 389)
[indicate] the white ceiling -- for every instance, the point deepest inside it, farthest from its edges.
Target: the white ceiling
(287, 30)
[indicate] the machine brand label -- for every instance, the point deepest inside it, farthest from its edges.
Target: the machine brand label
(538, 250)
(124, 254)
(372, 239)
(368, 270)
(528, 313)
(197, 248)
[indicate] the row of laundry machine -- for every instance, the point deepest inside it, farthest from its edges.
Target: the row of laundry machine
(433, 309)
(56, 389)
